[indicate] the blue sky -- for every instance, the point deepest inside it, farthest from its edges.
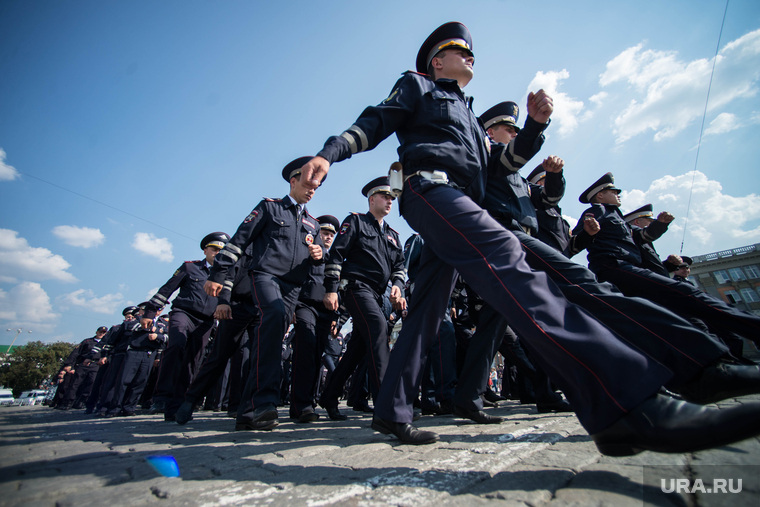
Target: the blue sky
(129, 130)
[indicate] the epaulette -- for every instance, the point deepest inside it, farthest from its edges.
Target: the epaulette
(355, 213)
(418, 73)
(269, 199)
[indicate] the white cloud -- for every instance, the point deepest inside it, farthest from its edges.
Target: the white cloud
(85, 237)
(85, 298)
(7, 172)
(149, 244)
(724, 122)
(669, 93)
(27, 306)
(19, 259)
(716, 220)
(568, 112)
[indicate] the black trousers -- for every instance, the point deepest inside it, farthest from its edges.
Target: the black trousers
(312, 330)
(369, 337)
(602, 376)
(134, 377)
(230, 337)
(275, 300)
(188, 337)
(679, 297)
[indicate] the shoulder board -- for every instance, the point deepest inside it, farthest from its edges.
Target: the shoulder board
(269, 199)
(193, 262)
(355, 213)
(415, 72)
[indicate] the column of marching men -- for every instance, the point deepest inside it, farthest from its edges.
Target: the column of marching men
(257, 322)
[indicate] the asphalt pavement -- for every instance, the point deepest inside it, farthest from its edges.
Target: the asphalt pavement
(67, 458)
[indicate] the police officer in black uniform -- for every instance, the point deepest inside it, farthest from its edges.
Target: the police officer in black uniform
(446, 159)
(614, 256)
(553, 229)
(238, 318)
(85, 361)
(92, 400)
(511, 200)
(190, 325)
(141, 351)
(285, 244)
(640, 219)
(314, 324)
(680, 267)
(366, 254)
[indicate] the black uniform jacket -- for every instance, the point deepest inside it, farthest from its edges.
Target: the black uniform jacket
(437, 130)
(279, 242)
(650, 259)
(189, 279)
(89, 350)
(365, 252)
(614, 242)
(513, 201)
(139, 340)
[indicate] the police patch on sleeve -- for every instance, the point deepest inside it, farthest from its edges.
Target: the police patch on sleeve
(252, 216)
(390, 97)
(344, 228)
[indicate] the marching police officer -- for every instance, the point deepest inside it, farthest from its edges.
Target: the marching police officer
(680, 267)
(614, 256)
(366, 254)
(553, 229)
(285, 245)
(141, 351)
(84, 360)
(445, 163)
(313, 326)
(191, 321)
(641, 218)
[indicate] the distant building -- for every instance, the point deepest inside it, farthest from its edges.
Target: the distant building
(732, 275)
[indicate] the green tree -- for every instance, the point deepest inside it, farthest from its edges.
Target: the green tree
(32, 364)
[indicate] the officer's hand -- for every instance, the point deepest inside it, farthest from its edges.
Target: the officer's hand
(540, 106)
(102, 361)
(665, 217)
(86, 362)
(400, 304)
(331, 301)
(453, 313)
(67, 369)
(553, 164)
(146, 323)
(590, 225)
(152, 336)
(314, 171)
(212, 288)
(395, 295)
(315, 251)
(223, 312)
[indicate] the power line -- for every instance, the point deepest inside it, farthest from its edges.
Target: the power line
(702, 128)
(107, 205)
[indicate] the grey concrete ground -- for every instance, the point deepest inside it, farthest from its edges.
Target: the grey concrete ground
(51, 457)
